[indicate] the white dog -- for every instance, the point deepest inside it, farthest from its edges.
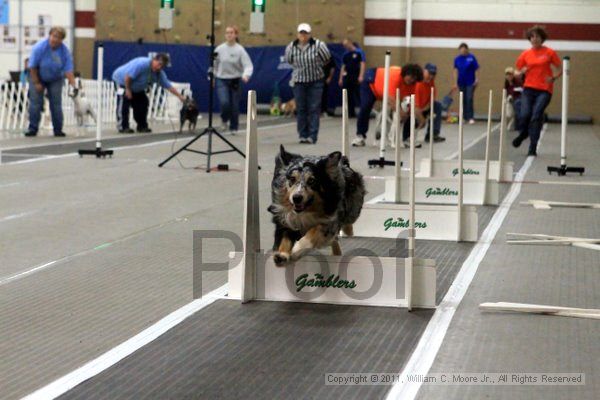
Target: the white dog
(82, 106)
(510, 113)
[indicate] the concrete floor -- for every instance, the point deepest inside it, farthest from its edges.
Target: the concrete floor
(94, 251)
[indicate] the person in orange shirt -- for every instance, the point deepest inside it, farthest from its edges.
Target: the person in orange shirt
(371, 90)
(541, 67)
(423, 103)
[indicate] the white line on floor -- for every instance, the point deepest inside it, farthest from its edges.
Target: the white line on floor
(22, 155)
(113, 356)
(11, 184)
(15, 216)
(49, 157)
(23, 274)
(431, 340)
(472, 143)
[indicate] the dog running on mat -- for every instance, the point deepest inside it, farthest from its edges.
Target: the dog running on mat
(314, 197)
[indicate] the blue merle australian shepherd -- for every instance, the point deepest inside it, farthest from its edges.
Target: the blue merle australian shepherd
(314, 197)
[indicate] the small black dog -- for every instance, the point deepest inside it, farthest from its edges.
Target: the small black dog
(189, 112)
(313, 198)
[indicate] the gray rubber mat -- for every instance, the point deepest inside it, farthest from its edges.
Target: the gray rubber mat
(263, 350)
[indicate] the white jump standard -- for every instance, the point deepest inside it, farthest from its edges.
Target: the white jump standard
(381, 161)
(98, 152)
(540, 239)
(547, 205)
(349, 279)
(591, 313)
(564, 119)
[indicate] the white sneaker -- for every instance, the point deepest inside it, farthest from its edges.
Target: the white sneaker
(358, 142)
(406, 145)
(471, 121)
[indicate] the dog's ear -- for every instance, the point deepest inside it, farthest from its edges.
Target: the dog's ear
(331, 162)
(333, 159)
(284, 158)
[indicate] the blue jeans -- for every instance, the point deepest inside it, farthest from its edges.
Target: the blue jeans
(367, 100)
(308, 108)
(36, 101)
(533, 105)
(468, 92)
(518, 119)
(229, 92)
(437, 120)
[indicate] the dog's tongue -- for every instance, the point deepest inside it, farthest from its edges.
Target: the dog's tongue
(299, 207)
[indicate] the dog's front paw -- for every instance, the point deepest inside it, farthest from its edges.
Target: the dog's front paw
(281, 259)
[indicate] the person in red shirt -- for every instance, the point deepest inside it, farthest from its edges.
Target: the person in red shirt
(371, 90)
(423, 103)
(541, 67)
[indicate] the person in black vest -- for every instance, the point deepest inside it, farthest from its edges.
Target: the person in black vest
(352, 74)
(328, 71)
(307, 56)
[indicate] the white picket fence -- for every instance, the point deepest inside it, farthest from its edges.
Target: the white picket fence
(14, 104)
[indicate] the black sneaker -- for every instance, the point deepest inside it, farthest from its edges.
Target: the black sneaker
(144, 130)
(532, 153)
(59, 134)
(517, 141)
(436, 139)
(128, 130)
(30, 133)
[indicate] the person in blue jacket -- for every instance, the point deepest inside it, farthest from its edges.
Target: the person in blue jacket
(49, 63)
(466, 78)
(132, 79)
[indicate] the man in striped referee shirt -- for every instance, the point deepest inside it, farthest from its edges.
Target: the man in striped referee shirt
(307, 56)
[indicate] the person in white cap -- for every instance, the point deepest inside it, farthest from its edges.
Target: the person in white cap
(307, 56)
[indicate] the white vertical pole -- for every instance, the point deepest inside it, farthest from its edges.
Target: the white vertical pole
(398, 158)
(99, 77)
(251, 233)
(486, 174)
(409, 18)
(408, 274)
(565, 112)
(502, 130)
(384, 107)
(345, 139)
(459, 202)
(3, 94)
(431, 104)
(11, 105)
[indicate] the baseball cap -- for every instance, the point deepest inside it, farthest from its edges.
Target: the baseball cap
(509, 70)
(432, 68)
(304, 27)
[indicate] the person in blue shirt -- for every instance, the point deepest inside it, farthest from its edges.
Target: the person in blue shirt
(352, 74)
(49, 63)
(466, 78)
(133, 79)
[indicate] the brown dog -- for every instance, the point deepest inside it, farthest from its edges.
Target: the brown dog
(288, 109)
